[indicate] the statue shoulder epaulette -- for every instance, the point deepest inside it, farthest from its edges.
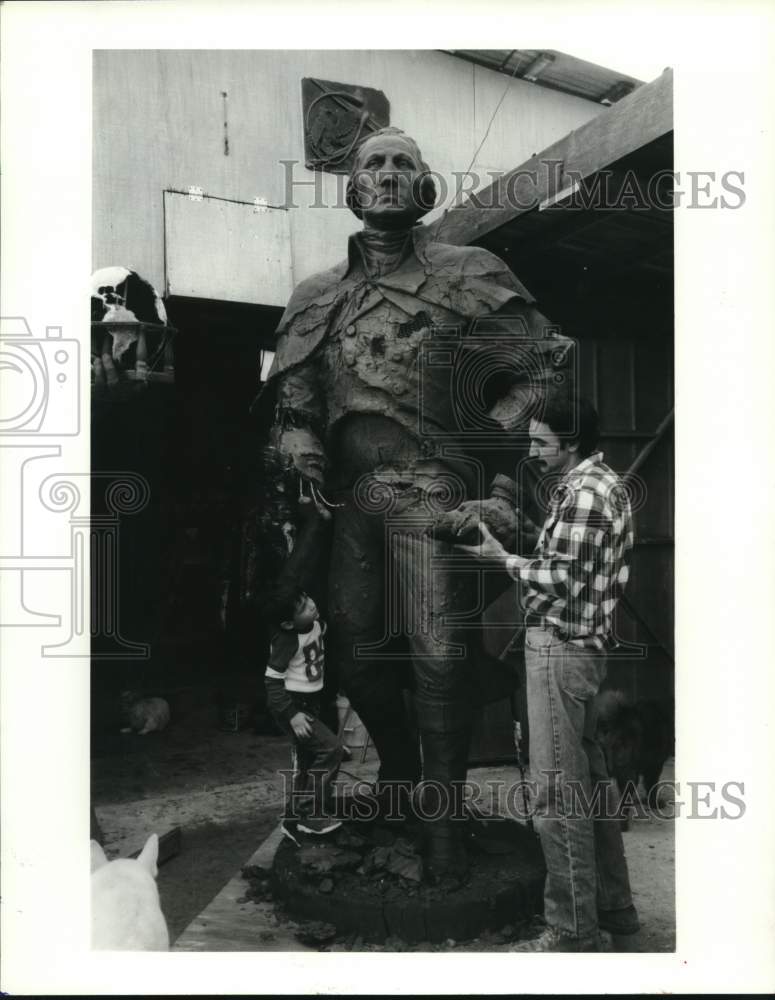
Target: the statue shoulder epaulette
(305, 320)
(475, 280)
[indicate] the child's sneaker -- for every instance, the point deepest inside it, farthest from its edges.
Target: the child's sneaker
(320, 826)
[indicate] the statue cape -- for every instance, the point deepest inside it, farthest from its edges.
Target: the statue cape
(468, 281)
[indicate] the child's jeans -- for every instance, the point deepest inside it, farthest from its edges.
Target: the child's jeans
(316, 760)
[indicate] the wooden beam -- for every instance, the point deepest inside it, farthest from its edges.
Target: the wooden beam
(647, 449)
(638, 119)
(231, 923)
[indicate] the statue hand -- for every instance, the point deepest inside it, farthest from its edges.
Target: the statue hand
(304, 450)
(454, 525)
(462, 523)
(502, 518)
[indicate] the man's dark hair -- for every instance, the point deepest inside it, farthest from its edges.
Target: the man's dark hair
(572, 418)
(281, 606)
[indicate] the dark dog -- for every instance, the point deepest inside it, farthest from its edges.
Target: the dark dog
(637, 740)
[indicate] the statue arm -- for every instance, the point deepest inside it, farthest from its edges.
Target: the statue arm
(541, 352)
(299, 413)
(303, 564)
(298, 396)
(538, 350)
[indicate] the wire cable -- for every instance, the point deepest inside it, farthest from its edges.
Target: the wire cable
(479, 147)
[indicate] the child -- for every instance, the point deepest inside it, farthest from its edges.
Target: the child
(294, 684)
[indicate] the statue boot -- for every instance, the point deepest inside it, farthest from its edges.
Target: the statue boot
(399, 756)
(445, 760)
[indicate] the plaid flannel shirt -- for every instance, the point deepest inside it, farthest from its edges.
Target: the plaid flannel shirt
(581, 561)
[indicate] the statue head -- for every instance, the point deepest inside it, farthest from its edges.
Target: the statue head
(390, 186)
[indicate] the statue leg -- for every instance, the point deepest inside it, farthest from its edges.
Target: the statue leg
(356, 607)
(444, 694)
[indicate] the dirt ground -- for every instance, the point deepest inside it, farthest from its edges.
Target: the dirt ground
(224, 791)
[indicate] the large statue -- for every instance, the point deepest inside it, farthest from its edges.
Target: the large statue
(372, 421)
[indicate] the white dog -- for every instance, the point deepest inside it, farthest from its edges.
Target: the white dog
(125, 910)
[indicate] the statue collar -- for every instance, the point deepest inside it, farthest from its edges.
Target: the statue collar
(407, 276)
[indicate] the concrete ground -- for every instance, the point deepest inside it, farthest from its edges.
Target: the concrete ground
(224, 791)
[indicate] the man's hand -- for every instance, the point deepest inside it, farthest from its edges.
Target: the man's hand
(488, 550)
(300, 724)
(501, 517)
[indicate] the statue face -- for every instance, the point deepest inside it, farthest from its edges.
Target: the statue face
(384, 178)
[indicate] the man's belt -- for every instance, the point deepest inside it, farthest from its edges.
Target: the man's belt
(533, 620)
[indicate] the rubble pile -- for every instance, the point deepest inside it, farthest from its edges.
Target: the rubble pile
(366, 884)
(379, 857)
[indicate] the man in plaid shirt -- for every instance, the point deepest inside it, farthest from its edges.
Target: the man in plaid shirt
(571, 584)
(581, 563)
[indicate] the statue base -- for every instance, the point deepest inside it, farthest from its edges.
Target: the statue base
(367, 878)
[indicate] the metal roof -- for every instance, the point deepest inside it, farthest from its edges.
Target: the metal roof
(555, 70)
(600, 248)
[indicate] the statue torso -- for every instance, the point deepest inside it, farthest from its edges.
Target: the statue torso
(377, 358)
(384, 346)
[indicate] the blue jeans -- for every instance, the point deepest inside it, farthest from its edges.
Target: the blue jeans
(585, 864)
(316, 759)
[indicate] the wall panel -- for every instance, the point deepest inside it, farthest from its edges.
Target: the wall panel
(159, 124)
